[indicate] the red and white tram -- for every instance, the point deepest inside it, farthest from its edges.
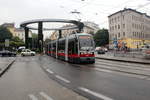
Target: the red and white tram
(75, 48)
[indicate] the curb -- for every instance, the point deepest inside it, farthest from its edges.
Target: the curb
(123, 60)
(6, 68)
(126, 72)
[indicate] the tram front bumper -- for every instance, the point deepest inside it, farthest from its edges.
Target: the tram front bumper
(87, 59)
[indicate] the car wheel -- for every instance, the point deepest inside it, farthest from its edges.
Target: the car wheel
(32, 54)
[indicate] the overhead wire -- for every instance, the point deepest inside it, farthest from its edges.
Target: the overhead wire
(135, 9)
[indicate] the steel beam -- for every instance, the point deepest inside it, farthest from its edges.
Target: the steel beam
(26, 37)
(40, 36)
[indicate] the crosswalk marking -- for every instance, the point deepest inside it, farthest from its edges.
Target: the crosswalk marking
(48, 70)
(103, 70)
(45, 96)
(32, 97)
(61, 78)
(101, 96)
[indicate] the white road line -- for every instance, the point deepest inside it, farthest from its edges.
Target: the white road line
(142, 77)
(48, 70)
(101, 96)
(45, 96)
(32, 97)
(148, 79)
(103, 70)
(61, 78)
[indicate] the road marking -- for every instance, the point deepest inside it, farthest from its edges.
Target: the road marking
(32, 97)
(48, 70)
(45, 96)
(61, 78)
(142, 77)
(101, 96)
(103, 70)
(148, 79)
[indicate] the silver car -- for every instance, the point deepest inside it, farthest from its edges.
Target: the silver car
(27, 52)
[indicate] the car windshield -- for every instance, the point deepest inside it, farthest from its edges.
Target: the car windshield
(28, 50)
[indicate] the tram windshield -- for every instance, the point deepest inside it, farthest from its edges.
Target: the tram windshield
(86, 43)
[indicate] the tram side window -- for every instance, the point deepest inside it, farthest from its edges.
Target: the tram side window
(61, 46)
(54, 47)
(49, 47)
(72, 47)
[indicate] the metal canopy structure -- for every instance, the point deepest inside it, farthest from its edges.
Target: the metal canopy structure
(78, 25)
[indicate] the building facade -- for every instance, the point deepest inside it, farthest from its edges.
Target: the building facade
(18, 32)
(89, 27)
(129, 27)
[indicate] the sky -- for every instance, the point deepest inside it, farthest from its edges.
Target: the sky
(96, 11)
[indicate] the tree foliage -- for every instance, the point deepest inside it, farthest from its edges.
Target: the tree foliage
(101, 37)
(16, 39)
(34, 35)
(4, 34)
(16, 42)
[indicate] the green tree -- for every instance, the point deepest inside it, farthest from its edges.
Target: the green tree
(101, 37)
(16, 39)
(4, 34)
(34, 35)
(16, 42)
(47, 40)
(34, 41)
(91, 32)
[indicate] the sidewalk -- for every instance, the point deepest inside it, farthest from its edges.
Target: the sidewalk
(111, 56)
(26, 80)
(5, 63)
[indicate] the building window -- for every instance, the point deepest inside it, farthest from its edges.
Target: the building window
(118, 18)
(115, 26)
(123, 25)
(115, 20)
(118, 35)
(141, 34)
(136, 34)
(118, 26)
(115, 36)
(123, 17)
(132, 17)
(124, 34)
(132, 25)
(112, 27)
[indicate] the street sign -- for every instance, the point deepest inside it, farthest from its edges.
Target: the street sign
(6, 42)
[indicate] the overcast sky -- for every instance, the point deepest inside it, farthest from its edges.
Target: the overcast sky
(90, 10)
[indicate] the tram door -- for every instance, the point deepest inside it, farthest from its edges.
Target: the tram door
(72, 49)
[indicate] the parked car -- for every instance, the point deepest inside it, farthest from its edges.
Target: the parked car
(6, 53)
(146, 51)
(27, 52)
(101, 50)
(21, 48)
(105, 49)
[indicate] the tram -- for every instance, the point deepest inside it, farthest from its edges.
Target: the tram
(75, 48)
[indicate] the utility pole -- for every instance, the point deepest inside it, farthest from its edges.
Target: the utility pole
(75, 12)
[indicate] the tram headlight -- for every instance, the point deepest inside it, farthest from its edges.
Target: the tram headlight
(81, 53)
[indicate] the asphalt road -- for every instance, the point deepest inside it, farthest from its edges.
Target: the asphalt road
(25, 80)
(99, 83)
(35, 78)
